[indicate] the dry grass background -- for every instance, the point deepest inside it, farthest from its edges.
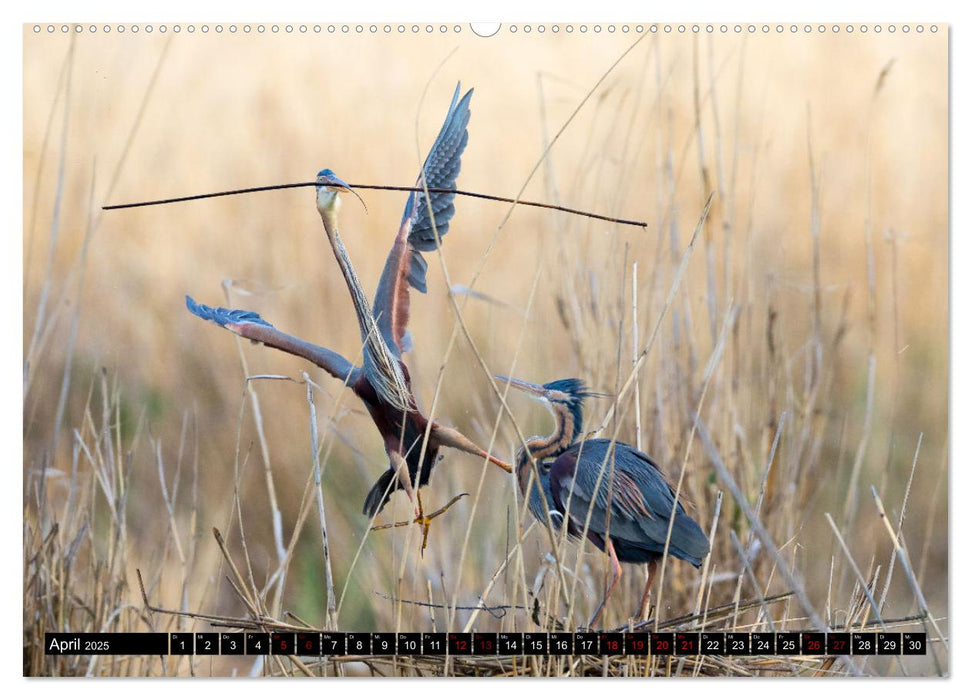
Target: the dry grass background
(824, 255)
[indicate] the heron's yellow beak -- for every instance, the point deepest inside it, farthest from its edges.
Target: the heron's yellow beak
(329, 186)
(537, 390)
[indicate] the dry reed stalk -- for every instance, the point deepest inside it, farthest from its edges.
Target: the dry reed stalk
(911, 578)
(900, 521)
(275, 513)
(792, 579)
(713, 363)
(321, 513)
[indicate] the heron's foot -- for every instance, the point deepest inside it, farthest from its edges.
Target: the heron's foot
(426, 520)
(422, 519)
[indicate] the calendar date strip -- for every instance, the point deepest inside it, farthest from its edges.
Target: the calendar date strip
(310, 643)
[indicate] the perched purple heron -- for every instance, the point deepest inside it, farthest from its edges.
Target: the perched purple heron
(619, 489)
(382, 382)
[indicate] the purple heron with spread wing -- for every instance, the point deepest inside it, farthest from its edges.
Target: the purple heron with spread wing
(620, 489)
(382, 382)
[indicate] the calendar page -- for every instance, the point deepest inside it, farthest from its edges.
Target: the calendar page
(438, 349)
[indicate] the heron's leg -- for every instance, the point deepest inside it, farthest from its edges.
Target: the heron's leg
(453, 438)
(642, 608)
(615, 565)
(404, 478)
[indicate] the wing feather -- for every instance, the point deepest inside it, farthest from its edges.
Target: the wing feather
(423, 216)
(250, 325)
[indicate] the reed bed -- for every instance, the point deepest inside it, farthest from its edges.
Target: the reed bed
(775, 338)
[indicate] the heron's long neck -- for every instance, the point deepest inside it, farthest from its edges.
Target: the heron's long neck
(390, 379)
(552, 445)
(362, 307)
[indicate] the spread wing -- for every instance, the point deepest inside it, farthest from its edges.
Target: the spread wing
(641, 501)
(423, 217)
(249, 325)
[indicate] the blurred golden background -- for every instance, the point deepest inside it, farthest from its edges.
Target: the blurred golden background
(827, 155)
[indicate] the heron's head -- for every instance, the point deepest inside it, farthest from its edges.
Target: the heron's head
(328, 188)
(564, 398)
